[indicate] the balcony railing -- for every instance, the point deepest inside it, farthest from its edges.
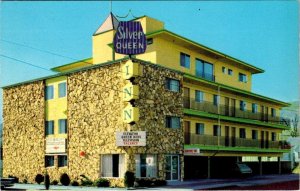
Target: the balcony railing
(206, 76)
(209, 140)
(227, 110)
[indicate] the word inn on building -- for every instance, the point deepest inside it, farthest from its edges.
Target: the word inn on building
(174, 110)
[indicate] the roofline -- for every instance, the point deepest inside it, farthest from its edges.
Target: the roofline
(256, 69)
(189, 76)
(83, 60)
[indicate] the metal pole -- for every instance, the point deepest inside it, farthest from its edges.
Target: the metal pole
(208, 167)
(219, 120)
(279, 165)
(260, 166)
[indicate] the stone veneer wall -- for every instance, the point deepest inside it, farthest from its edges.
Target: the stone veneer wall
(94, 115)
(23, 130)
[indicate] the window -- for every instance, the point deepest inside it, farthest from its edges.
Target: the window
(112, 165)
(217, 130)
(243, 106)
(149, 41)
(200, 128)
(254, 108)
(184, 60)
(204, 70)
(146, 165)
(254, 134)
(62, 123)
(49, 161)
(172, 122)
(273, 136)
(273, 112)
(172, 85)
(62, 89)
(223, 70)
(230, 72)
(216, 100)
(49, 127)
(242, 133)
(49, 92)
(62, 160)
(198, 96)
(242, 77)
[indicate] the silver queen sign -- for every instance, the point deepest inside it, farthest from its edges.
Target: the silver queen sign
(130, 38)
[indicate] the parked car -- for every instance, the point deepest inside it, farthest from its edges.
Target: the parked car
(7, 182)
(241, 169)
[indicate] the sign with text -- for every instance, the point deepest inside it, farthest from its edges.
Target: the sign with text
(130, 38)
(55, 145)
(192, 151)
(131, 138)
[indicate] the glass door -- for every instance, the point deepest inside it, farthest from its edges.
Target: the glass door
(172, 167)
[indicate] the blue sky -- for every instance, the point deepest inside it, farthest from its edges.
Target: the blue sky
(264, 34)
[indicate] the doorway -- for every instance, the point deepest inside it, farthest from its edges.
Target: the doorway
(172, 167)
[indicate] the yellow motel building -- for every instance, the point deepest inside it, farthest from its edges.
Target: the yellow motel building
(180, 110)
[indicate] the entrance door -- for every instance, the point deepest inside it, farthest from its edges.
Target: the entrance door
(262, 139)
(232, 111)
(187, 132)
(186, 94)
(233, 136)
(172, 167)
(226, 106)
(226, 136)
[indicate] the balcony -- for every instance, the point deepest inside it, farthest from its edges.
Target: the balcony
(206, 76)
(230, 111)
(209, 140)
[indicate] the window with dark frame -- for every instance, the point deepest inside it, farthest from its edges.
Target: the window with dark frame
(199, 96)
(242, 133)
(254, 108)
(216, 100)
(62, 89)
(63, 127)
(223, 70)
(49, 127)
(230, 72)
(243, 105)
(242, 77)
(62, 160)
(49, 161)
(273, 136)
(217, 130)
(49, 92)
(254, 134)
(273, 112)
(172, 85)
(185, 60)
(172, 122)
(200, 128)
(204, 70)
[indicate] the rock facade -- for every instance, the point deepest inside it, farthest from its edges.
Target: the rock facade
(94, 116)
(23, 131)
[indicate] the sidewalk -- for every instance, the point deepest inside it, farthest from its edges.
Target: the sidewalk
(183, 186)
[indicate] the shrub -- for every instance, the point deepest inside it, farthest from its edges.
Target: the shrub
(16, 179)
(39, 178)
(144, 182)
(129, 179)
(65, 179)
(160, 182)
(74, 183)
(86, 182)
(47, 181)
(54, 182)
(25, 181)
(102, 182)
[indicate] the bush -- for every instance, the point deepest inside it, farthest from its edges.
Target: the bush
(39, 178)
(102, 182)
(65, 179)
(144, 182)
(129, 179)
(54, 182)
(16, 179)
(74, 183)
(160, 182)
(25, 181)
(86, 182)
(47, 181)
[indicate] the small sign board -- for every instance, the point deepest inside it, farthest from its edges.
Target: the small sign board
(130, 38)
(131, 138)
(192, 151)
(55, 145)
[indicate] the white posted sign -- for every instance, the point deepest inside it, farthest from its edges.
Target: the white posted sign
(131, 138)
(55, 145)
